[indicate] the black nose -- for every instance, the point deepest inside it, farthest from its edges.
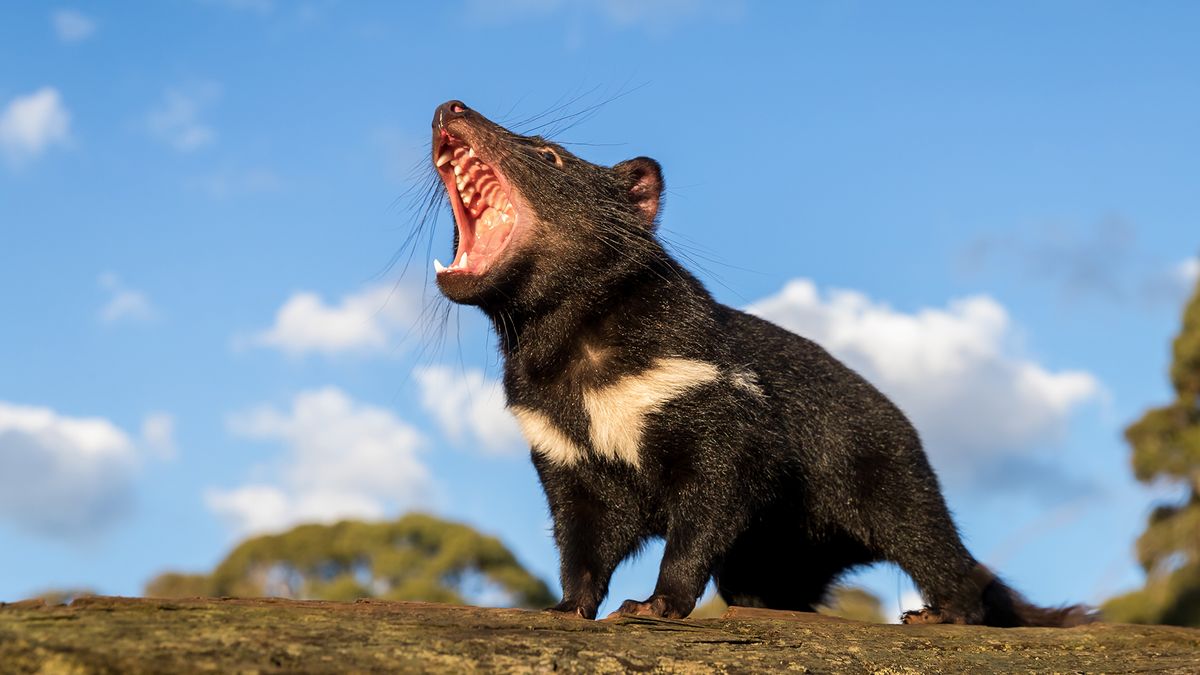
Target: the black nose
(448, 111)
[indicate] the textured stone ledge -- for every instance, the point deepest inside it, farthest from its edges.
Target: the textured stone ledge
(146, 635)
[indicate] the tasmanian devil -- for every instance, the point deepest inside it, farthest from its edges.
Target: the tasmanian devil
(654, 411)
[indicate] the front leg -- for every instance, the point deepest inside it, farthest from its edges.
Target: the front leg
(595, 528)
(702, 527)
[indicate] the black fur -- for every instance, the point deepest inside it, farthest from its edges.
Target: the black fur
(773, 479)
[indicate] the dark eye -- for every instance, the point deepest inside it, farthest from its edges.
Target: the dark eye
(550, 155)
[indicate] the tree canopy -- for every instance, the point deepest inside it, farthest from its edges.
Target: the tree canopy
(848, 602)
(1166, 448)
(417, 557)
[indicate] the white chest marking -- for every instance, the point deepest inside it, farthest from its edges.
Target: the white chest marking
(545, 438)
(617, 413)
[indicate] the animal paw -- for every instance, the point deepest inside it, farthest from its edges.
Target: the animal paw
(656, 605)
(930, 615)
(571, 609)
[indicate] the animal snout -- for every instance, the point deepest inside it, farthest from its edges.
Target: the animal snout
(448, 111)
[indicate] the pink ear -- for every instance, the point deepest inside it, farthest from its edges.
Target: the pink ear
(643, 182)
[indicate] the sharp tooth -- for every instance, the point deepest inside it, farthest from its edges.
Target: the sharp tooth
(443, 158)
(470, 152)
(466, 199)
(504, 217)
(457, 170)
(463, 262)
(438, 266)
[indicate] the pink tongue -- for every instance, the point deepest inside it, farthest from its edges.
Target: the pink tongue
(490, 233)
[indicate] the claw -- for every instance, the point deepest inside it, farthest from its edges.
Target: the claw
(570, 611)
(656, 605)
(929, 615)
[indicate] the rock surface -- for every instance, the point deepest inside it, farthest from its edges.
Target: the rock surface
(145, 635)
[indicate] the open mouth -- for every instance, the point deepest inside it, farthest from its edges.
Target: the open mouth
(483, 212)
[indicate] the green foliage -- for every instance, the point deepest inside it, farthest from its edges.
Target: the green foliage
(848, 602)
(712, 609)
(63, 596)
(178, 585)
(1171, 599)
(417, 557)
(1166, 448)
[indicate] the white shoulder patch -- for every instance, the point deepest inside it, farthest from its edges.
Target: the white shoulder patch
(545, 438)
(618, 412)
(747, 380)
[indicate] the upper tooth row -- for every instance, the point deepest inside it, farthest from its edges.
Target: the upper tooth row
(489, 191)
(450, 154)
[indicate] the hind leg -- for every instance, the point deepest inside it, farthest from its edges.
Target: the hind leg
(901, 516)
(948, 578)
(921, 538)
(961, 605)
(957, 589)
(951, 582)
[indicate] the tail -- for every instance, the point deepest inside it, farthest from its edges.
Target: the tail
(1006, 608)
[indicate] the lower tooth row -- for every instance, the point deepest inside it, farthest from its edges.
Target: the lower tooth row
(460, 265)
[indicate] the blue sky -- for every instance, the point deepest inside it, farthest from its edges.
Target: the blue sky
(991, 211)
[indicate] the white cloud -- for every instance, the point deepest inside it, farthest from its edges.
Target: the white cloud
(32, 123)
(363, 322)
(260, 509)
(251, 508)
(176, 120)
(344, 459)
(1188, 272)
(470, 404)
(158, 434)
(124, 303)
(71, 25)
(952, 369)
(63, 475)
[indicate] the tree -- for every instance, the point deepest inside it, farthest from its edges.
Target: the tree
(1166, 448)
(63, 596)
(178, 585)
(848, 602)
(851, 602)
(417, 557)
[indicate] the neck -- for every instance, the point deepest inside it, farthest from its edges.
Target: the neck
(541, 337)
